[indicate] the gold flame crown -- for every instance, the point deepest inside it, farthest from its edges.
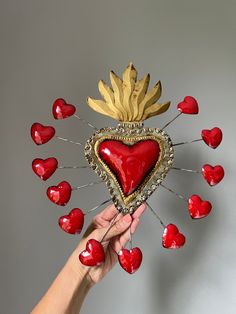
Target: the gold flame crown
(129, 99)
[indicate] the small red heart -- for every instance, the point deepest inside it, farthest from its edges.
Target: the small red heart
(198, 208)
(172, 238)
(213, 175)
(73, 222)
(130, 260)
(188, 106)
(60, 194)
(41, 134)
(130, 163)
(62, 110)
(44, 168)
(93, 255)
(212, 137)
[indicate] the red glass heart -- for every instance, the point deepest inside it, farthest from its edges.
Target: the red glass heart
(172, 238)
(62, 110)
(198, 208)
(60, 194)
(213, 175)
(130, 163)
(93, 255)
(41, 134)
(73, 222)
(130, 260)
(188, 106)
(212, 137)
(44, 168)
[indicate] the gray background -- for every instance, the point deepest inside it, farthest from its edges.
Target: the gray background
(53, 49)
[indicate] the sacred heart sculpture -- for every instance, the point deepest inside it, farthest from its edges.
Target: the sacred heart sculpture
(132, 160)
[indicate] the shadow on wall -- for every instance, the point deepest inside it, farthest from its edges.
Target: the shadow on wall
(171, 267)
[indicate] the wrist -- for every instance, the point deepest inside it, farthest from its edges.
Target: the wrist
(79, 271)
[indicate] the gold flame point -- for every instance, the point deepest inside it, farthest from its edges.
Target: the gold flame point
(129, 99)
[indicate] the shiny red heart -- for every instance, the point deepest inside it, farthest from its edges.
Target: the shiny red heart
(93, 255)
(41, 134)
(62, 110)
(212, 137)
(44, 168)
(198, 208)
(130, 163)
(130, 260)
(188, 106)
(172, 238)
(73, 222)
(213, 175)
(60, 194)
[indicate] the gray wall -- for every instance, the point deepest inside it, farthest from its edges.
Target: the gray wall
(55, 49)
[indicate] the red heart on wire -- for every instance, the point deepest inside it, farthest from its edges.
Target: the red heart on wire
(44, 168)
(188, 106)
(213, 175)
(212, 137)
(198, 208)
(172, 238)
(73, 222)
(93, 255)
(130, 163)
(62, 110)
(130, 260)
(41, 134)
(60, 194)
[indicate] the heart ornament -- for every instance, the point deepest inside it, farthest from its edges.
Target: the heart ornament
(131, 159)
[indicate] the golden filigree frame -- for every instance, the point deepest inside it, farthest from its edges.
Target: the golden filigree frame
(130, 134)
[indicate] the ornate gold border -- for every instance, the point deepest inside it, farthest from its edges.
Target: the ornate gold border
(130, 133)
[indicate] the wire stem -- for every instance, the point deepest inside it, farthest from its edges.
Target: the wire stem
(86, 122)
(156, 215)
(183, 143)
(178, 195)
(69, 141)
(171, 121)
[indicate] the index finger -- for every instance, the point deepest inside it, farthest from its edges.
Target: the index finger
(104, 217)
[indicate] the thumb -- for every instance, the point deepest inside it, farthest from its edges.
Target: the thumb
(118, 228)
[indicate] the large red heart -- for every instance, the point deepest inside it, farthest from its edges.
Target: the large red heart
(44, 168)
(93, 255)
(188, 106)
(73, 222)
(130, 163)
(212, 137)
(130, 260)
(172, 238)
(41, 134)
(60, 194)
(61, 109)
(213, 175)
(198, 208)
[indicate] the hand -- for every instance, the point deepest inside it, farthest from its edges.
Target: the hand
(69, 289)
(116, 238)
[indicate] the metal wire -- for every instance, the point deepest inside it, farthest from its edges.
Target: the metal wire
(69, 141)
(183, 169)
(96, 207)
(86, 122)
(85, 185)
(183, 143)
(171, 121)
(178, 195)
(156, 215)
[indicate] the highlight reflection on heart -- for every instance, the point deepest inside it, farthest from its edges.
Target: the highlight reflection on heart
(130, 163)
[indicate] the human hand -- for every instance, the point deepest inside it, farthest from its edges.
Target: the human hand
(115, 239)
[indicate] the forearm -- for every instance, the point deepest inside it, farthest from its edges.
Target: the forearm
(67, 292)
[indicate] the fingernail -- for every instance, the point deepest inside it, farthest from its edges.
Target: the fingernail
(127, 219)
